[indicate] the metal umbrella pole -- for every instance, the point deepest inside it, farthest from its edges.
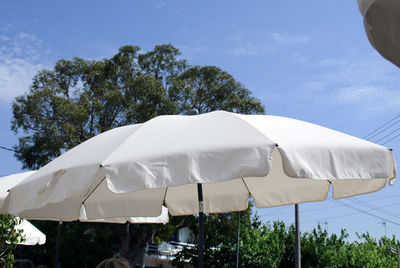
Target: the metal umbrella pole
(201, 215)
(237, 243)
(57, 264)
(201, 226)
(297, 227)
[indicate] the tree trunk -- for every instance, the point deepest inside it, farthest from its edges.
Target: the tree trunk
(125, 241)
(134, 239)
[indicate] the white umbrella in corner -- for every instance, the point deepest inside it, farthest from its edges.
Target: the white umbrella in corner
(209, 163)
(32, 235)
(382, 25)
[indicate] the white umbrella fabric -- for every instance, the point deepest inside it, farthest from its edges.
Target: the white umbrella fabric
(382, 25)
(224, 157)
(32, 235)
(10, 181)
(132, 170)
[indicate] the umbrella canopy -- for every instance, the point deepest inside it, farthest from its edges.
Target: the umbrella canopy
(134, 170)
(33, 236)
(382, 24)
(10, 181)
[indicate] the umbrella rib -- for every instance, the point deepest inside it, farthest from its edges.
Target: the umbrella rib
(87, 197)
(245, 185)
(165, 195)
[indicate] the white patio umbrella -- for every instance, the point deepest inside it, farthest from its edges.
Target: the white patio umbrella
(32, 235)
(382, 25)
(207, 163)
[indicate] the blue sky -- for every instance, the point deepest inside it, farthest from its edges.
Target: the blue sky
(309, 60)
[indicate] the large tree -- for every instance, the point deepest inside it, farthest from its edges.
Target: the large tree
(80, 98)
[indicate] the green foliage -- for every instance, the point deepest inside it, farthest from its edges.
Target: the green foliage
(261, 245)
(80, 98)
(209, 88)
(321, 250)
(367, 253)
(272, 245)
(9, 238)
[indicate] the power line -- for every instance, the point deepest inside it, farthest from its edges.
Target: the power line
(8, 149)
(382, 126)
(302, 211)
(387, 135)
(368, 205)
(398, 135)
(332, 217)
(325, 208)
(383, 130)
(366, 212)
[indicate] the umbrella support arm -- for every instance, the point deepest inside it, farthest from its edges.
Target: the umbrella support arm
(201, 226)
(297, 230)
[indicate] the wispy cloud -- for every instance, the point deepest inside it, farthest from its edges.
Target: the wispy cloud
(159, 3)
(290, 39)
(16, 77)
(235, 37)
(368, 84)
(256, 43)
(246, 44)
(245, 49)
(299, 58)
(189, 52)
(7, 27)
(345, 72)
(4, 38)
(372, 98)
(21, 57)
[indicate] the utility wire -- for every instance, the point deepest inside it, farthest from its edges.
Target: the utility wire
(366, 212)
(302, 211)
(325, 208)
(382, 126)
(343, 215)
(398, 135)
(332, 217)
(8, 149)
(387, 135)
(368, 205)
(383, 130)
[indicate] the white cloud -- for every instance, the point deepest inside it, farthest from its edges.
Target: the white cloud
(235, 37)
(299, 58)
(245, 49)
(16, 77)
(159, 3)
(20, 58)
(348, 72)
(6, 28)
(4, 38)
(247, 44)
(290, 39)
(368, 84)
(256, 43)
(192, 52)
(372, 98)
